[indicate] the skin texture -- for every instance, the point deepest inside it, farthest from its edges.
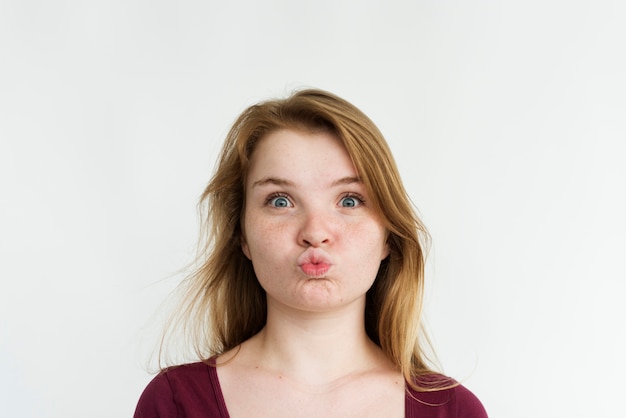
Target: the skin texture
(316, 247)
(314, 242)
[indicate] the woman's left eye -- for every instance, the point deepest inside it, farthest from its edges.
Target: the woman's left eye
(279, 202)
(350, 202)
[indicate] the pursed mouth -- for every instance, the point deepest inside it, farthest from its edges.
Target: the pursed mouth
(315, 270)
(314, 262)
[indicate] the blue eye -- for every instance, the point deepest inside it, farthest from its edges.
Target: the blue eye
(279, 202)
(349, 202)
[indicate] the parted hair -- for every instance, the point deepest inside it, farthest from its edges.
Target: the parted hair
(223, 303)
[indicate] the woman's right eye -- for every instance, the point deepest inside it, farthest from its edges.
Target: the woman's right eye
(279, 202)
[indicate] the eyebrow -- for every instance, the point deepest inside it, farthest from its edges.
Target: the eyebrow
(272, 180)
(277, 181)
(347, 180)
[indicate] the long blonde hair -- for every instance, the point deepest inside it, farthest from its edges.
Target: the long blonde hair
(223, 304)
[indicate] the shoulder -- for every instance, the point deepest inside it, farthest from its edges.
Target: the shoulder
(442, 397)
(187, 390)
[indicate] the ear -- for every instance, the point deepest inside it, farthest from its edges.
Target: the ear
(385, 252)
(244, 248)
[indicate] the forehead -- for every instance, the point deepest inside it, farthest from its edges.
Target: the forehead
(299, 155)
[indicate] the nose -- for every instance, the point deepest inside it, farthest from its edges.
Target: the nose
(315, 230)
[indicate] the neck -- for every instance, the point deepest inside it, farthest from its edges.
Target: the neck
(314, 347)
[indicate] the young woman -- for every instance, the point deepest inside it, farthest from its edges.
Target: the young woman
(308, 296)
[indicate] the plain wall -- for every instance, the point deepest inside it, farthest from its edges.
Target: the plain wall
(507, 119)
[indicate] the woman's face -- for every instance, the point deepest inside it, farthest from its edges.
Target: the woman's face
(314, 241)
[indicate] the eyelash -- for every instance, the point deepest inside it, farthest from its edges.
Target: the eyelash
(273, 196)
(355, 196)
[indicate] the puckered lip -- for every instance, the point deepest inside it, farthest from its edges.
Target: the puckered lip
(314, 263)
(314, 256)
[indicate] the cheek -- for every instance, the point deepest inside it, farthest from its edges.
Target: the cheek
(261, 236)
(366, 241)
(377, 233)
(267, 247)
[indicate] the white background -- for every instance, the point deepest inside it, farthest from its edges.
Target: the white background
(507, 119)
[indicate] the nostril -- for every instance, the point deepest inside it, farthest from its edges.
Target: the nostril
(314, 231)
(315, 243)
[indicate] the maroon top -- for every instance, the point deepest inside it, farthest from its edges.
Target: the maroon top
(193, 391)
